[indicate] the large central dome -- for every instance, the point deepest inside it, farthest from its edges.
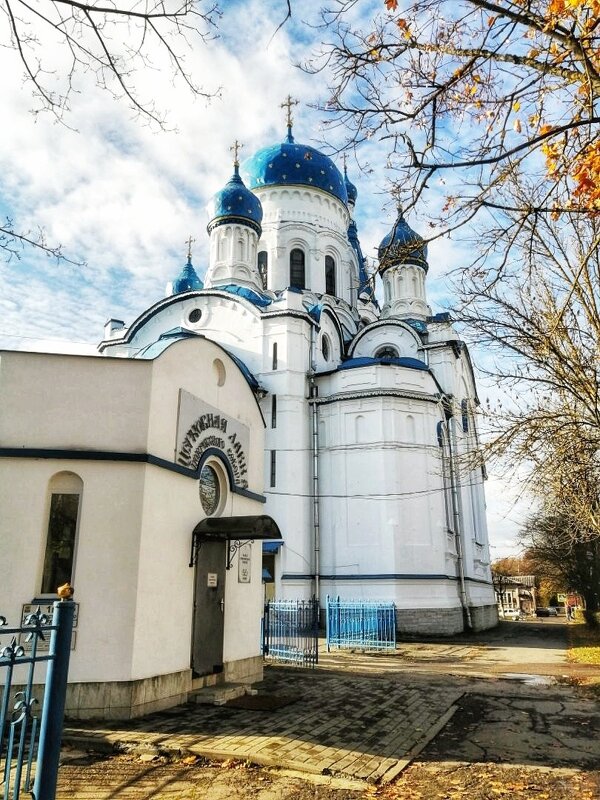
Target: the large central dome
(292, 164)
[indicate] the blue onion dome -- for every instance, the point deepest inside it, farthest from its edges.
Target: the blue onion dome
(235, 203)
(291, 164)
(351, 189)
(187, 280)
(402, 245)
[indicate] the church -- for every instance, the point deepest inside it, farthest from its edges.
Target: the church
(268, 431)
(369, 410)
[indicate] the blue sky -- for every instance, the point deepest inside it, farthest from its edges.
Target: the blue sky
(123, 196)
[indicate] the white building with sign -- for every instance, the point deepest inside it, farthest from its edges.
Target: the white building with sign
(108, 468)
(369, 410)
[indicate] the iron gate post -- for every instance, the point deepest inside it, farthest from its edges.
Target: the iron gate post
(46, 774)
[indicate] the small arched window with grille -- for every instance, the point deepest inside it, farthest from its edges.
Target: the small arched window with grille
(330, 287)
(387, 352)
(263, 263)
(297, 270)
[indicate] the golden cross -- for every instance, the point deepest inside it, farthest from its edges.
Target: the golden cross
(189, 244)
(344, 159)
(288, 104)
(235, 148)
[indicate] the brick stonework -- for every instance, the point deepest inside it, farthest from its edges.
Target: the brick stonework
(443, 621)
(429, 621)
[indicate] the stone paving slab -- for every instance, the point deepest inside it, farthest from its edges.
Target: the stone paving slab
(345, 725)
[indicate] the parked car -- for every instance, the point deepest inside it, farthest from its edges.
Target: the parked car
(513, 613)
(550, 611)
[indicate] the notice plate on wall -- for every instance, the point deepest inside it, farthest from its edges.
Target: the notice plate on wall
(211, 580)
(244, 556)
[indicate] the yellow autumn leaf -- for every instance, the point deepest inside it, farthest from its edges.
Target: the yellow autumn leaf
(516, 106)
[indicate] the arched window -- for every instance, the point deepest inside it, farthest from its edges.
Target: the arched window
(329, 275)
(386, 352)
(65, 490)
(360, 429)
(263, 263)
(325, 347)
(411, 429)
(297, 277)
(464, 413)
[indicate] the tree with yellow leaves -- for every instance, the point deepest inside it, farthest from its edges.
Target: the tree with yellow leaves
(470, 94)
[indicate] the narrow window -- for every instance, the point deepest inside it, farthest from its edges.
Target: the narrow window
(273, 467)
(325, 348)
(464, 410)
(329, 275)
(263, 263)
(274, 411)
(274, 355)
(297, 277)
(65, 495)
(446, 477)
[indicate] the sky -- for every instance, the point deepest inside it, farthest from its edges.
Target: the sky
(122, 196)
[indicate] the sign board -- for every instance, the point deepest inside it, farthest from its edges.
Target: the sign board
(562, 598)
(200, 427)
(47, 609)
(211, 580)
(244, 557)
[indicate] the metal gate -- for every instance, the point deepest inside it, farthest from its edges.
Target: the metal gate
(291, 632)
(29, 736)
(360, 624)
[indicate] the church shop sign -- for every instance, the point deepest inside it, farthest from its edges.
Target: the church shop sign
(200, 427)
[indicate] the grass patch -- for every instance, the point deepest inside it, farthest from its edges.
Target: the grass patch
(584, 644)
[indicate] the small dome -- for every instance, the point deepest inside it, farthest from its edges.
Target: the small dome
(187, 280)
(289, 163)
(351, 189)
(235, 203)
(402, 245)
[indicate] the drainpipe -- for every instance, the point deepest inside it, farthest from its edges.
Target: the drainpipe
(313, 393)
(458, 518)
(315, 458)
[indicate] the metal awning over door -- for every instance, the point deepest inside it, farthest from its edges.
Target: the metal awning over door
(234, 531)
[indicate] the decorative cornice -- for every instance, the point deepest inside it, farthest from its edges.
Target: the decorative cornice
(359, 394)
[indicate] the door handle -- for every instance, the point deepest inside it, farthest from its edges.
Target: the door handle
(222, 605)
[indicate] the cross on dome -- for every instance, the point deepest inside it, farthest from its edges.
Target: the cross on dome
(235, 149)
(189, 243)
(289, 120)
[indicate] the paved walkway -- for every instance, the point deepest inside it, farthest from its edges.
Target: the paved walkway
(366, 716)
(342, 725)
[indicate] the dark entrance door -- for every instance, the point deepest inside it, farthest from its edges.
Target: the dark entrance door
(209, 609)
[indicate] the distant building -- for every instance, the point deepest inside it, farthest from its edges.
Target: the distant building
(514, 594)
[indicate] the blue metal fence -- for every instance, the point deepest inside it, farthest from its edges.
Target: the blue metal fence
(360, 624)
(30, 732)
(291, 632)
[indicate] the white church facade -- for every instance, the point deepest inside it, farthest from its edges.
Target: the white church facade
(272, 406)
(369, 411)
